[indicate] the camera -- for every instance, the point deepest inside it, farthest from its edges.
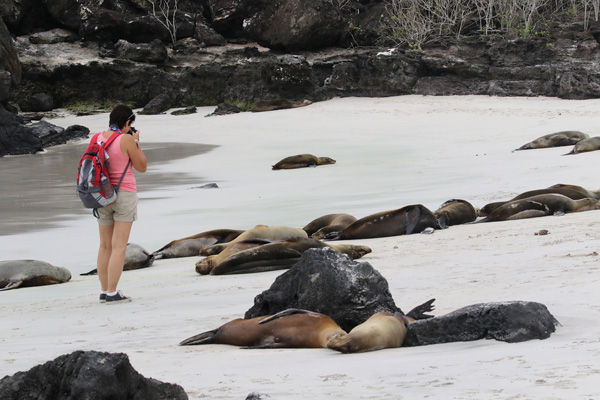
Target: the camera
(132, 129)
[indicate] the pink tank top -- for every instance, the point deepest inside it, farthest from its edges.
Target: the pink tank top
(117, 164)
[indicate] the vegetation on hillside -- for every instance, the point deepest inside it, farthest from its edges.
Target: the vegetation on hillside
(417, 22)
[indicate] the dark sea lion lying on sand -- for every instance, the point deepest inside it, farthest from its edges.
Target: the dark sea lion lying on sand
(302, 161)
(327, 226)
(455, 212)
(27, 273)
(585, 145)
(278, 104)
(557, 139)
(539, 206)
(403, 221)
(192, 245)
(259, 255)
(136, 257)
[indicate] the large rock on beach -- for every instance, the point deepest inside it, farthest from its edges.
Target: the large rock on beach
(331, 283)
(513, 321)
(87, 375)
(15, 138)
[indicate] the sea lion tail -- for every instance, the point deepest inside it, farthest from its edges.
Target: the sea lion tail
(202, 338)
(340, 343)
(441, 223)
(419, 311)
(412, 219)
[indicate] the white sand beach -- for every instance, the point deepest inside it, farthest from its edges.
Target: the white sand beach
(390, 152)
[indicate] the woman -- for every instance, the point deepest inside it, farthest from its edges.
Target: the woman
(115, 220)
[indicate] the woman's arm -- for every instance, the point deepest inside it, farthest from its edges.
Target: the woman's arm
(130, 146)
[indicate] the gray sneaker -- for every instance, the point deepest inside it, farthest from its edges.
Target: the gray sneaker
(117, 298)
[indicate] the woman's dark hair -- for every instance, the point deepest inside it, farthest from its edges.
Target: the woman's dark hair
(120, 115)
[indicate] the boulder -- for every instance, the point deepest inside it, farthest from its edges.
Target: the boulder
(15, 138)
(331, 283)
(87, 375)
(154, 52)
(296, 25)
(514, 321)
(157, 105)
(37, 103)
(9, 61)
(224, 109)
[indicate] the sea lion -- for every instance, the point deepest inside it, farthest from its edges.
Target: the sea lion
(594, 194)
(278, 104)
(27, 273)
(455, 212)
(557, 139)
(136, 257)
(302, 161)
(539, 206)
(192, 245)
(329, 225)
(403, 221)
(382, 330)
(571, 193)
(585, 145)
(260, 232)
(258, 255)
(292, 328)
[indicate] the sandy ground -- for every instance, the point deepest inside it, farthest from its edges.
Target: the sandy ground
(390, 152)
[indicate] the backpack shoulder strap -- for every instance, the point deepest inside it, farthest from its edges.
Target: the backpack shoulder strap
(108, 141)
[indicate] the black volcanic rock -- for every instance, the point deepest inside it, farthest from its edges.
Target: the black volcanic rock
(15, 138)
(87, 375)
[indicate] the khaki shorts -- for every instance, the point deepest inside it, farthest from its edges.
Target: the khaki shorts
(123, 210)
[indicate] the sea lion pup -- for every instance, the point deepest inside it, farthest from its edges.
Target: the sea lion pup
(455, 212)
(571, 193)
(382, 330)
(539, 206)
(291, 328)
(258, 255)
(258, 232)
(27, 273)
(557, 139)
(278, 104)
(192, 245)
(403, 221)
(302, 161)
(585, 145)
(329, 225)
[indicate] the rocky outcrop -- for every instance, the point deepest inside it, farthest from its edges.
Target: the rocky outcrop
(513, 321)
(87, 375)
(15, 137)
(330, 283)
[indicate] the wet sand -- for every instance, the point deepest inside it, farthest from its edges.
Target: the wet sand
(38, 190)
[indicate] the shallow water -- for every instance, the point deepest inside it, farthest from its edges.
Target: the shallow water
(38, 190)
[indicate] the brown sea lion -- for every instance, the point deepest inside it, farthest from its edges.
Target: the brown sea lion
(27, 273)
(594, 194)
(455, 212)
(329, 225)
(302, 161)
(539, 206)
(403, 221)
(278, 104)
(290, 328)
(564, 190)
(382, 330)
(260, 232)
(585, 145)
(557, 139)
(192, 245)
(258, 255)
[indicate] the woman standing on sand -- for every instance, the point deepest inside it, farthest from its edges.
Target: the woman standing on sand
(115, 220)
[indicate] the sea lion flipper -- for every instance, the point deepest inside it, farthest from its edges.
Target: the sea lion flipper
(419, 311)
(12, 285)
(441, 222)
(289, 311)
(412, 219)
(202, 338)
(92, 272)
